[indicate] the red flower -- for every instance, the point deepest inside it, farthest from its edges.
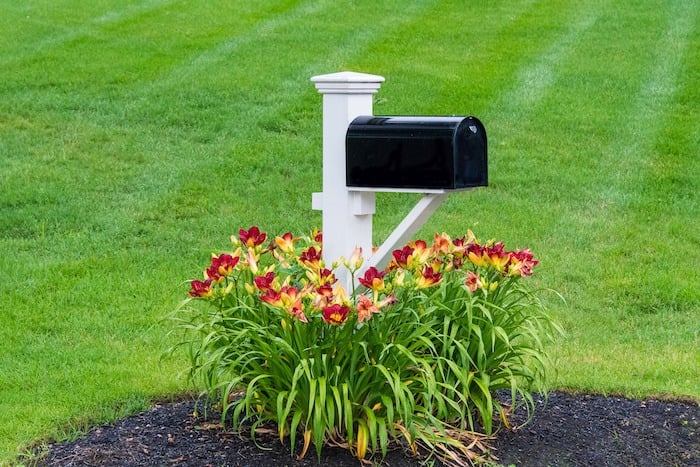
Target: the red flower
(373, 279)
(459, 249)
(272, 297)
(326, 277)
(252, 237)
(459, 242)
(402, 256)
(221, 266)
(498, 256)
(263, 283)
(335, 314)
(522, 262)
(201, 288)
(311, 257)
(428, 278)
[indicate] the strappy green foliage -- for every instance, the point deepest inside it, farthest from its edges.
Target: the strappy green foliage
(414, 352)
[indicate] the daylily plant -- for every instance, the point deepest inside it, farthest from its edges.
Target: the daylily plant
(413, 351)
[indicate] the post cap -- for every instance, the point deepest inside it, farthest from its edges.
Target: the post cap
(347, 82)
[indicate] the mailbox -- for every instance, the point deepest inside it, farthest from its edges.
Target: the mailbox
(414, 153)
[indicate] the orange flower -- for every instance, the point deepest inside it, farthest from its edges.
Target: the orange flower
(442, 243)
(291, 302)
(286, 242)
(420, 254)
(473, 282)
(366, 307)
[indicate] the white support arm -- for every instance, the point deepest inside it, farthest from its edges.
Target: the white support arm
(413, 221)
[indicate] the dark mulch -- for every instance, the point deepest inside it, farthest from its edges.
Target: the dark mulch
(570, 430)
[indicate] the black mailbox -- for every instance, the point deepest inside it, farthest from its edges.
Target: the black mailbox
(436, 153)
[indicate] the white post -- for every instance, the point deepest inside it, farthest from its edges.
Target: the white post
(347, 215)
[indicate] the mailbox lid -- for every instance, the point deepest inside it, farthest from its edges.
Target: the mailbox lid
(426, 152)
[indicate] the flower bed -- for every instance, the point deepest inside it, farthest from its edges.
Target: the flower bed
(412, 353)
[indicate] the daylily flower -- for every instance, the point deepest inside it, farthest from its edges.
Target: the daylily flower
(288, 298)
(252, 237)
(335, 313)
(286, 242)
(311, 258)
(442, 243)
(498, 257)
(251, 261)
(373, 279)
(420, 254)
(272, 297)
(428, 278)
(367, 307)
(521, 263)
(355, 261)
(459, 250)
(221, 267)
(476, 255)
(324, 295)
(321, 277)
(201, 288)
(473, 282)
(401, 257)
(263, 283)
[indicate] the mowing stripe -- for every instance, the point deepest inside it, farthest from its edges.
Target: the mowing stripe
(198, 62)
(628, 157)
(282, 91)
(534, 81)
(64, 35)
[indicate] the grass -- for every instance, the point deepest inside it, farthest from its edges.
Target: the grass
(136, 137)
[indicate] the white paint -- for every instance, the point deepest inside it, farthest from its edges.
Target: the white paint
(347, 212)
(346, 95)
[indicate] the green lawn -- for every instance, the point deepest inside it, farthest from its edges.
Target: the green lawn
(137, 136)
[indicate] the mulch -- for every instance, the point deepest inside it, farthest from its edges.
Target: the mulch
(567, 430)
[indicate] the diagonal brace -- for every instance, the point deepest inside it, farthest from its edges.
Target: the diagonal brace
(413, 221)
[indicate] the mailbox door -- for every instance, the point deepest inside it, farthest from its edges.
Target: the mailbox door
(471, 164)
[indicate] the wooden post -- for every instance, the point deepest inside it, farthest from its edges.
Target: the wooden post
(347, 212)
(347, 215)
